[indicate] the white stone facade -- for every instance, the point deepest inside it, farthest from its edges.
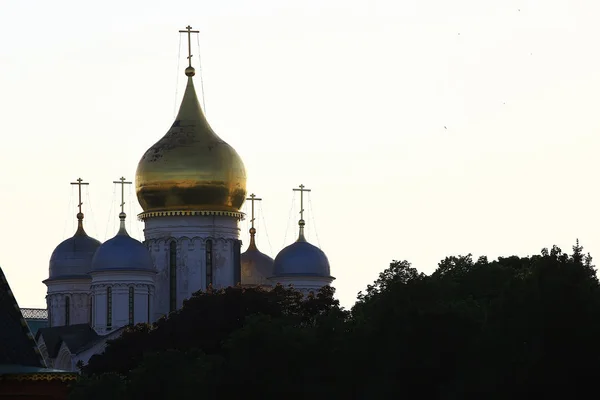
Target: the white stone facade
(204, 246)
(68, 301)
(121, 298)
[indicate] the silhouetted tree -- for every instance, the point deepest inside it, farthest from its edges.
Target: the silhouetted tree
(515, 327)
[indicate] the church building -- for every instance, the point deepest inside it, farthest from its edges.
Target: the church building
(191, 185)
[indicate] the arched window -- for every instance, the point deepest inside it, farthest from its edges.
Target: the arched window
(67, 310)
(172, 276)
(108, 307)
(209, 263)
(148, 305)
(131, 305)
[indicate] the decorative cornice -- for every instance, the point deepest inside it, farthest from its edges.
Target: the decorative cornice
(153, 214)
(155, 244)
(104, 285)
(44, 376)
(65, 293)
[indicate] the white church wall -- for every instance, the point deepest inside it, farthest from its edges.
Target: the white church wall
(160, 255)
(143, 297)
(190, 234)
(222, 264)
(191, 226)
(77, 293)
(120, 283)
(120, 304)
(100, 309)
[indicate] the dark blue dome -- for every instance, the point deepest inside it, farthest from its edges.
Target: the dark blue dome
(301, 259)
(73, 257)
(122, 253)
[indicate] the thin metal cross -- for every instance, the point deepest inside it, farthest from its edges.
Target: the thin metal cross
(79, 183)
(122, 182)
(301, 190)
(189, 31)
(253, 198)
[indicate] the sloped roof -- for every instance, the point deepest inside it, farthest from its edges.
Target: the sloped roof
(17, 346)
(77, 337)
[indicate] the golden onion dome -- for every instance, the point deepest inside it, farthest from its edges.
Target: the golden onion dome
(191, 168)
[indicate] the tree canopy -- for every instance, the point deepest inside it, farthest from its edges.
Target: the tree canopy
(515, 327)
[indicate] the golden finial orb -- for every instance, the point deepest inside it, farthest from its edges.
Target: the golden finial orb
(190, 71)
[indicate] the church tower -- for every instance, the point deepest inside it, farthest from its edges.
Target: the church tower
(122, 274)
(257, 267)
(301, 264)
(191, 186)
(68, 282)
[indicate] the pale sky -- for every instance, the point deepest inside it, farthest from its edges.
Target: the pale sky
(425, 128)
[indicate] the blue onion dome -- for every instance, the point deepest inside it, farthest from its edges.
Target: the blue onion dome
(73, 257)
(257, 267)
(122, 253)
(301, 259)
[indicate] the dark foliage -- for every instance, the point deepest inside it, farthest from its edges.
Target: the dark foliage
(506, 329)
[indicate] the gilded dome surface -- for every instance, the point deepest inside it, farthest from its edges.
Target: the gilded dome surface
(191, 168)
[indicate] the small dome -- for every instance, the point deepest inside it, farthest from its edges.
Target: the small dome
(257, 267)
(73, 257)
(301, 259)
(122, 253)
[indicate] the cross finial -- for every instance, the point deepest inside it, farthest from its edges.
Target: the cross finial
(79, 183)
(253, 198)
(301, 223)
(301, 190)
(189, 70)
(252, 245)
(122, 182)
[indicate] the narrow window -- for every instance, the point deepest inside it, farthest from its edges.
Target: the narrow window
(209, 263)
(130, 305)
(148, 305)
(49, 305)
(108, 307)
(237, 262)
(67, 310)
(91, 311)
(173, 276)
